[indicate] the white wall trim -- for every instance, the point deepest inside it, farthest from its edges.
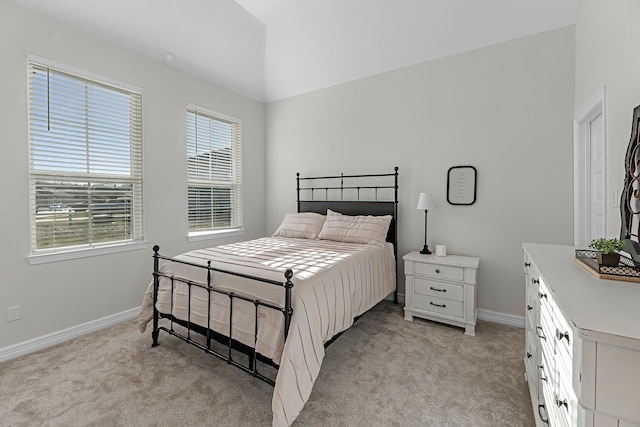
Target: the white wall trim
(502, 318)
(66, 254)
(595, 106)
(82, 73)
(54, 338)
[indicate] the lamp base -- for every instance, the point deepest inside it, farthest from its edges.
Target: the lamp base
(425, 250)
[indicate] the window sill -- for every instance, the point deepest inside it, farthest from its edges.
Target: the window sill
(65, 255)
(208, 235)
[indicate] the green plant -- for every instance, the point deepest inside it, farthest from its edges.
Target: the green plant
(606, 246)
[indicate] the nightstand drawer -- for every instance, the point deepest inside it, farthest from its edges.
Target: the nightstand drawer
(449, 291)
(440, 271)
(438, 305)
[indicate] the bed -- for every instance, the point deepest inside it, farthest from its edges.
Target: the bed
(279, 301)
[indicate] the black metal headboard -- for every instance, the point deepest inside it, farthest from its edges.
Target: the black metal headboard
(308, 193)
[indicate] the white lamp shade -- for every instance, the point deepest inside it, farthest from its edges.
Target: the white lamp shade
(425, 202)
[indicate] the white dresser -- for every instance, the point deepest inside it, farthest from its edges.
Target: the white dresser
(441, 289)
(582, 342)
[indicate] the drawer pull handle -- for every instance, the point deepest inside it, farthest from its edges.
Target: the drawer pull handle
(535, 281)
(529, 307)
(437, 290)
(562, 403)
(437, 270)
(541, 369)
(438, 305)
(541, 295)
(561, 335)
(540, 407)
(529, 355)
(539, 333)
(527, 264)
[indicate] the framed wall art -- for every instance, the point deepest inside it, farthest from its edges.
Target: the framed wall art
(461, 185)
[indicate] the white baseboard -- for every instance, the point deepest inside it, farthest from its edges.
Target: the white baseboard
(502, 318)
(54, 338)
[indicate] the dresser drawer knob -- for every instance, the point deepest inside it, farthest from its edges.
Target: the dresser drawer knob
(437, 290)
(527, 264)
(438, 305)
(560, 335)
(535, 281)
(539, 333)
(437, 270)
(562, 403)
(529, 307)
(541, 295)
(529, 355)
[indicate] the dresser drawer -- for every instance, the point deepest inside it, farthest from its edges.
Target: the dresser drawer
(566, 405)
(546, 344)
(530, 321)
(527, 263)
(563, 333)
(549, 404)
(564, 368)
(450, 291)
(440, 271)
(438, 305)
(546, 367)
(530, 358)
(564, 356)
(532, 297)
(544, 296)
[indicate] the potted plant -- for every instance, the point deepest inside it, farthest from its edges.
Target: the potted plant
(607, 251)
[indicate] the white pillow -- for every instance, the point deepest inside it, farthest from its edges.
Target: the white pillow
(303, 225)
(369, 229)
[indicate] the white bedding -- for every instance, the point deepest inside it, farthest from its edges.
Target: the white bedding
(333, 283)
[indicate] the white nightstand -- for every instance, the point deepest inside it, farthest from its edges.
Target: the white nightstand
(442, 289)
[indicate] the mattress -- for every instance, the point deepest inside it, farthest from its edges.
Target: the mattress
(334, 282)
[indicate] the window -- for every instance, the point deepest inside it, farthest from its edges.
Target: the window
(214, 172)
(85, 152)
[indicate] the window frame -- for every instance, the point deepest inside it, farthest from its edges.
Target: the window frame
(136, 242)
(232, 230)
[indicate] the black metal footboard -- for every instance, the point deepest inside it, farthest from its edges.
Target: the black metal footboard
(380, 204)
(227, 340)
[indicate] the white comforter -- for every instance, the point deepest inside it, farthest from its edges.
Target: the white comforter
(333, 283)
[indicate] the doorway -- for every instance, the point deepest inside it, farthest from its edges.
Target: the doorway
(590, 171)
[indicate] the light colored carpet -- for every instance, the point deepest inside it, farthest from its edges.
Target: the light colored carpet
(384, 371)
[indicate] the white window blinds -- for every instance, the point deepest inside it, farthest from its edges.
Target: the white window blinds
(214, 171)
(85, 161)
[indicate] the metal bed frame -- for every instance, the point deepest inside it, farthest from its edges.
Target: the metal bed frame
(347, 207)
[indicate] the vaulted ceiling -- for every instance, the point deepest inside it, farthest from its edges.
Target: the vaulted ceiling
(274, 49)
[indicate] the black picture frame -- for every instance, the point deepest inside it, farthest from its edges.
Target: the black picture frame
(461, 185)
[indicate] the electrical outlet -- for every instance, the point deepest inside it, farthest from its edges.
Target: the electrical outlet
(13, 313)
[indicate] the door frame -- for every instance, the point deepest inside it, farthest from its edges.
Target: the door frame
(595, 106)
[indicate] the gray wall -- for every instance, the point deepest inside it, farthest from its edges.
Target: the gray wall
(607, 35)
(505, 109)
(60, 295)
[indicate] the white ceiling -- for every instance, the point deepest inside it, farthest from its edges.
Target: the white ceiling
(273, 49)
